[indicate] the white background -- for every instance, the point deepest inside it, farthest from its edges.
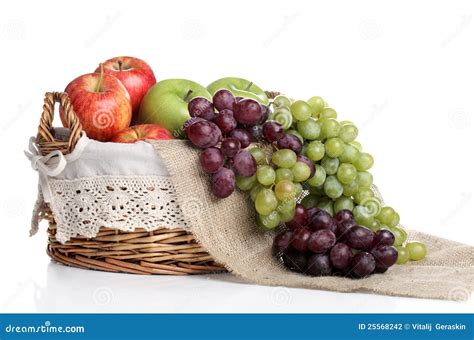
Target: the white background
(402, 71)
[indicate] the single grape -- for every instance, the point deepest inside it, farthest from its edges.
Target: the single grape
(403, 255)
(248, 112)
(383, 238)
(350, 154)
(308, 128)
(330, 127)
(348, 133)
(315, 150)
(300, 239)
(327, 205)
(289, 141)
(308, 162)
(266, 114)
(256, 131)
(343, 203)
(364, 179)
(317, 105)
(417, 250)
(201, 107)
(298, 189)
(301, 172)
(259, 155)
(244, 163)
(284, 158)
(225, 121)
(386, 215)
(321, 241)
(400, 235)
(330, 165)
(364, 194)
(310, 201)
(211, 159)
(343, 215)
(294, 260)
(364, 162)
(385, 257)
(281, 101)
(328, 113)
(332, 187)
(357, 145)
(319, 265)
(288, 205)
(204, 134)
(270, 221)
(360, 238)
(282, 242)
(346, 122)
(297, 134)
(266, 175)
(285, 190)
(300, 219)
(394, 221)
(343, 229)
(300, 110)
(286, 215)
(273, 131)
(350, 189)
(362, 265)
(341, 256)
(319, 176)
(190, 122)
(363, 216)
(255, 190)
(246, 183)
(322, 220)
(334, 147)
(223, 99)
(223, 183)
(346, 173)
(243, 136)
(284, 117)
(265, 202)
(230, 146)
(283, 174)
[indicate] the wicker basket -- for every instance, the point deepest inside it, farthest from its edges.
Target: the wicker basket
(162, 251)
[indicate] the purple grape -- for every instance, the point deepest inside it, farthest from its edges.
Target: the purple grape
(362, 264)
(256, 131)
(243, 136)
(294, 260)
(312, 212)
(223, 183)
(211, 160)
(319, 265)
(383, 238)
(191, 121)
(322, 220)
(230, 146)
(204, 134)
(343, 230)
(225, 121)
(321, 241)
(244, 163)
(289, 141)
(201, 107)
(307, 161)
(223, 99)
(238, 99)
(282, 241)
(300, 239)
(266, 113)
(247, 112)
(341, 256)
(273, 131)
(385, 257)
(343, 215)
(301, 218)
(360, 238)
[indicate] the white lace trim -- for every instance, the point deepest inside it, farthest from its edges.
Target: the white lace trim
(82, 206)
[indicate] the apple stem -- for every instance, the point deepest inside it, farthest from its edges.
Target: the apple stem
(187, 95)
(249, 86)
(101, 78)
(120, 63)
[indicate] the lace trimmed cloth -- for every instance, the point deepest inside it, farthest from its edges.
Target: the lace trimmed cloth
(120, 186)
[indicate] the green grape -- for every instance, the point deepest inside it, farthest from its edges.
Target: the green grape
(281, 101)
(417, 250)
(350, 154)
(266, 175)
(364, 179)
(394, 221)
(284, 190)
(319, 176)
(287, 205)
(309, 128)
(346, 122)
(400, 235)
(362, 216)
(362, 195)
(330, 127)
(246, 183)
(301, 172)
(346, 173)
(265, 202)
(364, 162)
(287, 216)
(297, 134)
(317, 105)
(284, 158)
(332, 187)
(343, 203)
(300, 110)
(328, 113)
(259, 155)
(375, 226)
(334, 147)
(403, 255)
(330, 165)
(269, 221)
(386, 215)
(282, 173)
(348, 133)
(310, 201)
(315, 150)
(357, 145)
(255, 190)
(298, 189)
(284, 117)
(350, 189)
(326, 204)
(372, 204)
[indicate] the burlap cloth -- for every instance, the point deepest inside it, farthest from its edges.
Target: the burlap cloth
(227, 229)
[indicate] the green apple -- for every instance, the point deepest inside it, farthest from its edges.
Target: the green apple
(166, 104)
(239, 88)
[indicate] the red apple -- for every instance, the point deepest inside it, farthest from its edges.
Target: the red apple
(141, 132)
(101, 103)
(135, 74)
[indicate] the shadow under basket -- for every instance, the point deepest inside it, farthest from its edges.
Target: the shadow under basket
(162, 251)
